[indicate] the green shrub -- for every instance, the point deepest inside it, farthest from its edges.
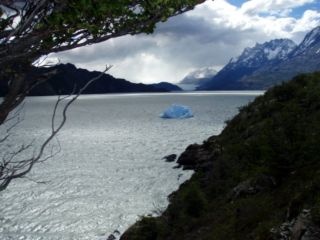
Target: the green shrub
(195, 201)
(315, 211)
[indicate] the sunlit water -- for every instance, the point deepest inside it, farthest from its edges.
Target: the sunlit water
(110, 169)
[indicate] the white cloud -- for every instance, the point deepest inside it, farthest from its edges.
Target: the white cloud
(226, 16)
(309, 20)
(207, 36)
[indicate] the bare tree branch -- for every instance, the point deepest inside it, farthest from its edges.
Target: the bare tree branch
(30, 29)
(13, 165)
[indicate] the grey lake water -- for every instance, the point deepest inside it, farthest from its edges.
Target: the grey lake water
(109, 170)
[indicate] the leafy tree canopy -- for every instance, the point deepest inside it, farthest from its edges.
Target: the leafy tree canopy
(32, 28)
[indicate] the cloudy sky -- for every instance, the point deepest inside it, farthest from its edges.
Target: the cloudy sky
(207, 36)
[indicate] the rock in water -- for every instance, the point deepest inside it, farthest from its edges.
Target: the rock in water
(177, 112)
(170, 158)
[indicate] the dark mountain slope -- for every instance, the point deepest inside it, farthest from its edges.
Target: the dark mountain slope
(259, 179)
(69, 76)
(251, 59)
(166, 86)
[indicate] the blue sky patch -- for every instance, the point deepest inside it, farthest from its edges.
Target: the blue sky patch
(298, 12)
(237, 3)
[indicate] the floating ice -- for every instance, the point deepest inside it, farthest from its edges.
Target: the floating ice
(177, 111)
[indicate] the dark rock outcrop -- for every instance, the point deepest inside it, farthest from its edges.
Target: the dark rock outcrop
(252, 186)
(170, 158)
(198, 156)
(300, 228)
(114, 235)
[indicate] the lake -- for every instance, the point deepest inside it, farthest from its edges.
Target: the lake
(110, 169)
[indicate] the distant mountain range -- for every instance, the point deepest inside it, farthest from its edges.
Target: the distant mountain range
(259, 67)
(68, 77)
(169, 87)
(197, 77)
(268, 64)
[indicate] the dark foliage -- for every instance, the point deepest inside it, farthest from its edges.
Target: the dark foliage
(266, 172)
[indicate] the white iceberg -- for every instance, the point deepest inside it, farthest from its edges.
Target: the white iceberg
(177, 112)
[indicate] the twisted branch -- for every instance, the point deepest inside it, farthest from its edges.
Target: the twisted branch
(11, 167)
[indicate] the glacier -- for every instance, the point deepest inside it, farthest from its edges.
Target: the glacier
(177, 111)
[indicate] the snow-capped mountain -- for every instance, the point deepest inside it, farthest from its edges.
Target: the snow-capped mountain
(197, 77)
(272, 51)
(304, 58)
(269, 63)
(251, 59)
(312, 39)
